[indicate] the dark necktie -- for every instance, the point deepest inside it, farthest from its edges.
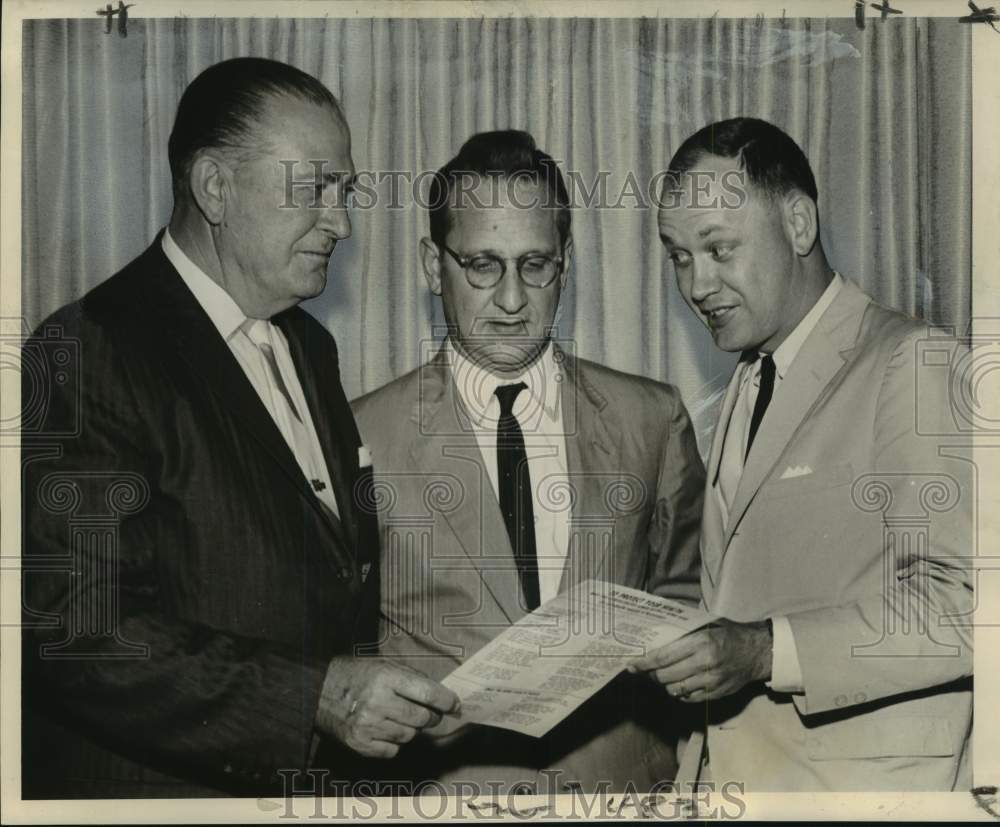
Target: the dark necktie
(514, 481)
(763, 399)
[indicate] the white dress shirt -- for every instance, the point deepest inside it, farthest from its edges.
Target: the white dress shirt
(247, 339)
(786, 672)
(538, 410)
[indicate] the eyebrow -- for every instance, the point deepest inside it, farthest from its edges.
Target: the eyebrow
(702, 233)
(711, 228)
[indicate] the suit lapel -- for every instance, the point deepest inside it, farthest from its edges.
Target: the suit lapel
(190, 334)
(593, 466)
(719, 436)
(821, 357)
(713, 518)
(335, 426)
(445, 447)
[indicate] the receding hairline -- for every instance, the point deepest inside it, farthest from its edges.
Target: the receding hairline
(499, 154)
(767, 194)
(272, 96)
(260, 134)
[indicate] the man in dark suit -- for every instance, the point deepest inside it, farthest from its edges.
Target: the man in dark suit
(197, 572)
(510, 470)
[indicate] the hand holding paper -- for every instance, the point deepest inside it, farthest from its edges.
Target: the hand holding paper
(542, 668)
(711, 663)
(374, 705)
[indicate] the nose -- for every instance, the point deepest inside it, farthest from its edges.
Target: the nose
(510, 294)
(704, 281)
(335, 220)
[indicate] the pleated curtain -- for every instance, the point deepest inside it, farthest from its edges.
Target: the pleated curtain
(884, 114)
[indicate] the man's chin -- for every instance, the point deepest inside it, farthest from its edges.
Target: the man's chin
(728, 341)
(311, 285)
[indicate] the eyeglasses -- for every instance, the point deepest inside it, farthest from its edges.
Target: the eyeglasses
(485, 270)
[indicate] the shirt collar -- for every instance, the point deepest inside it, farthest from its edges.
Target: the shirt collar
(221, 308)
(786, 352)
(477, 386)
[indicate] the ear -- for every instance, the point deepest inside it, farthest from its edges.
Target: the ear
(567, 260)
(211, 187)
(801, 220)
(430, 258)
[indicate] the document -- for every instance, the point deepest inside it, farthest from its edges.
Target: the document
(546, 665)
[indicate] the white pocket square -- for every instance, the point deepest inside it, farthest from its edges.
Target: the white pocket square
(793, 471)
(364, 457)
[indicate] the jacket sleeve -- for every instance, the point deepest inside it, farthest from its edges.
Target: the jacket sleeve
(675, 528)
(917, 632)
(100, 651)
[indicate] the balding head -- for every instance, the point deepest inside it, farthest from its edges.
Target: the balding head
(224, 108)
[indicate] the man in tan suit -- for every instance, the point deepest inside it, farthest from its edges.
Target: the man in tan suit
(507, 470)
(835, 521)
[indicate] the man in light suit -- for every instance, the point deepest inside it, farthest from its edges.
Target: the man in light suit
(837, 527)
(508, 470)
(197, 573)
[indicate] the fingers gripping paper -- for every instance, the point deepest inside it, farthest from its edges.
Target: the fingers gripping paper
(542, 668)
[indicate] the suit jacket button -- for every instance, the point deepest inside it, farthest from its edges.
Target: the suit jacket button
(860, 697)
(840, 700)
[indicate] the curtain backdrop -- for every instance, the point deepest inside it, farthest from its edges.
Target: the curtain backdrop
(884, 114)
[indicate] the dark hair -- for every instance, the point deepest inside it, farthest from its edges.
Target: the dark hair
(771, 160)
(223, 107)
(507, 153)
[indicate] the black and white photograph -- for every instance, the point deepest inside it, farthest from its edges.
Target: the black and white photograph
(532, 411)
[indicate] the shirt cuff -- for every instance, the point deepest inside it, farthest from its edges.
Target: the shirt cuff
(786, 672)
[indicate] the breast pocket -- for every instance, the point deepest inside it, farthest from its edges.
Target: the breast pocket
(832, 476)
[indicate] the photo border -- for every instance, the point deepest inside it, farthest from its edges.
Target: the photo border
(986, 321)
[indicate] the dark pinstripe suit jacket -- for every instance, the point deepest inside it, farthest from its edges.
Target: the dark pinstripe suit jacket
(184, 589)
